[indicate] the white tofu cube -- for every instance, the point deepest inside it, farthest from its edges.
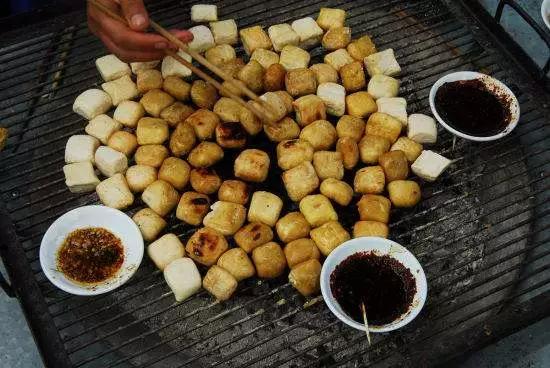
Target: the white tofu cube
(80, 177)
(422, 129)
(309, 32)
(334, 97)
(429, 165)
(394, 106)
(382, 62)
(204, 13)
(265, 207)
(102, 127)
(114, 192)
(121, 89)
(225, 32)
(110, 161)
(383, 86)
(282, 35)
(293, 57)
(338, 59)
(92, 103)
(80, 148)
(202, 39)
(165, 250)
(110, 67)
(143, 65)
(183, 277)
(171, 66)
(128, 113)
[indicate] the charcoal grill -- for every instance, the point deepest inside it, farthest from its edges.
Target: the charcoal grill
(481, 232)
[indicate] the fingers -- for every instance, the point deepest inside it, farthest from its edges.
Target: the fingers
(135, 13)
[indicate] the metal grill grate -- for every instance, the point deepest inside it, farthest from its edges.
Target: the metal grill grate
(481, 232)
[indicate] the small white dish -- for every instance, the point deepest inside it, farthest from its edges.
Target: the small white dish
(378, 246)
(545, 12)
(91, 216)
(490, 81)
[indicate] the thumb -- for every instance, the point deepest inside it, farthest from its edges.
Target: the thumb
(135, 13)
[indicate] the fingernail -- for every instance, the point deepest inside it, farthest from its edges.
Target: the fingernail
(161, 45)
(138, 20)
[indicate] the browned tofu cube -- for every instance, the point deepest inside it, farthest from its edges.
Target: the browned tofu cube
(292, 226)
(182, 139)
(361, 48)
(328, 164)
(177, 87)
(205, 246)
(253, 235)
(148, 79)
(255, 38)
(192, 208)
(252, 165)
(156, 100)
(308, 109)
(321, 134)
(175, 171)
(384, 125)
(292, 153)
(337, 190)
(317, 210)
(410, 148)
(300, 82)
(350, 152)
(237, 263)
(235, 191)
(161, 197)
(329, 236)
(220, 283)
(395, 165)
(370, 228)
(369, 179)
(300, 181)
(371, 147)
(205, 154)
(269, 260)
(176, 113)
(252, 75)
(373, 207)
(282, 130)
(205, 180)
(230, 135)
(274, 77)
(350, 126)
(353, 77)
(151, 155)
(203, 94)
(336, 38)
(306, 277)
(360, 104)
(204, 123)
(301, 250)
(404, 193)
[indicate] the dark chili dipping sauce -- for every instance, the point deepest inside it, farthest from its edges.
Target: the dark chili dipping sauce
(472, 107)
(385, 286)
(90, 255)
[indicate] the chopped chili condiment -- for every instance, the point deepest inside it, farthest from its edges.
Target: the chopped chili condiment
(90, 255)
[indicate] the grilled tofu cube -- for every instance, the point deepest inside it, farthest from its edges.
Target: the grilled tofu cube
(143, 65)
(369, 179)
(265, 207)
(220, 54)
(253, 235)
(382, 62)
(230, 135)
(151, 155)
(225, 32)
(233, 67)
(404, 193)
(371, 147)
(429, 165)
(324, 73)
(360, 104)
(255, 38)
(338, 59)
(300, 181)
(305, 277)
(282, 35)
(252, 165)
(80, 148)
(237, 263)
(161, 197)
(152, 131)
(361, 48)
(370, 228)
(227, 109)
(192, 208)
(321, 134)
(274, 76)
(293, 57)
(349, 126)
(155, 101)
(266, 58)
(301, 250)
(350, 152)
(277, 104)
(410, 148)
(175, 171)
(353, 76)
(269, 260)
(220, 283)
(226, 217)
(202, 39)
(328, 164)
(204, 123)
(394, 106)
(150, 225)
(205, 180)
(110, 67)
(336, 38)
(234, 86)
(205, 154)
(204, 13)
(291, 153)
(91, 103)
(80, 177)
(171, 67)
(308, 109)
(395, 165)
(309, 32)
(176, 113)
(373, 207)
(329, 236)
(383, 86)
(282, 130)
(252, 75)
(317, 210)
(121, 89)
(203, 94)
(182, 139)
(109, 161)
(114, 192)
(206, 245)
(140, 177)
(300, 82)
(331, 18)
(421, 128)
(183, 278)
(383, 125)
(148, 79)
(337, 190)
(287, 100)
(292, 226)
(128, 113)
(177, 87)
(124, 142)
(334, 98)
(165, 250)
(102, 127)
(235, 191)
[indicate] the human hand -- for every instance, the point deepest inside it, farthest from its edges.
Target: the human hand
(130, 43)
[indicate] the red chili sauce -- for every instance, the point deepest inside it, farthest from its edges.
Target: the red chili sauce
(383, 284)
(90, 255)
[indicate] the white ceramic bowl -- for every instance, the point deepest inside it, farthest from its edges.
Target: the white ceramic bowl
(545, 12)
(490, 81)
(379, 246)
(92, 216)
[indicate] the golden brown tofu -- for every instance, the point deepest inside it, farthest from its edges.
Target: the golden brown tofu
(148, 79)
(336, 38)
(204, 180)
(300, 82)
(282, 130)
(230, 135)
(235, 191)
(151, 155)
(360, 104)
(353, 77)
(350, 127)
(300, 181)
(123, 141)
(369, 179)
(140, 176)
(151, 131)
(373, 207)
(306, 277)
(250, 122)
(321, 134)
(371, 147)
(252, 165)
(370, 228)
(205, 246)
(337, 190)
(192, 208)
(329, 236)
(175, 171)
(220, 54)
(234, 86)
(269, 260)
(395, 165)
(232, 67)
(150, 224)
(205, 154)
(204, 123)
(324, 73)
(252, 75)
(301, 250)
(274, 78)
(182, 139)
(265, 207)
(410, 148)
(156, 100)
(228, 110)
(176, 113)
(292, 226)
(361, 48)
(404, 193)
(161, 197)
(237, 263)
(177, 87)
(331, 18)
(328, 164)
(317, 210)
(349, 150)
(203, 95)
(291, 153)
(226, 217)
(308, 109)
(253, 235)
(219, 282)
(255, 38)
(384, 125)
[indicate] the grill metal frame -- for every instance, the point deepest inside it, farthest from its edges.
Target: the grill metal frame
(481, 233)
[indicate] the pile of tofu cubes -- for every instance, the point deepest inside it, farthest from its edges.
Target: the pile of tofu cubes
(167, 133)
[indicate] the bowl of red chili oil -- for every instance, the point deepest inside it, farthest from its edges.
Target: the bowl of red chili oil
(378, 273)
(91, 250)
(474, 106)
